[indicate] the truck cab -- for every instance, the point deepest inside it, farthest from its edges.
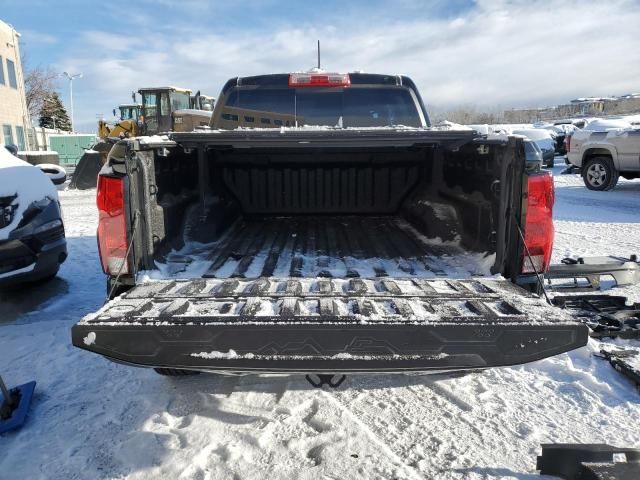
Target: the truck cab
(332, 100)
(158, 105)
(129, 111)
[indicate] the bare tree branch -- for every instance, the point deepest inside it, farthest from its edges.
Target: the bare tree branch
(466, 115)
(39, 83)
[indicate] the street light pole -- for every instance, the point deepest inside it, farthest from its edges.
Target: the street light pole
(71, 79)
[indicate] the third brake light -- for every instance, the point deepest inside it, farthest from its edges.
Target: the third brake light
(319, 80)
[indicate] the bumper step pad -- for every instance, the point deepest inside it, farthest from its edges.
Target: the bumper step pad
(328, 325)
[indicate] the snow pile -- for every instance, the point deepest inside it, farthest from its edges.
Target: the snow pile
(18, 177)
(603, 125)
(447, 125)
(621, 132)
(325, 128)
(230, 355)
(540, 136)
(634, 359)
(37, 153)
(632, 119)
(193, 111)
(153, 139)
(233, 355)
(508, 127)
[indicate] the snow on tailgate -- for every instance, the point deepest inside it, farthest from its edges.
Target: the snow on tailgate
(301, 300)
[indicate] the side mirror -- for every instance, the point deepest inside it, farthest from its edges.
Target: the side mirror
(56, 173)
(114, 112)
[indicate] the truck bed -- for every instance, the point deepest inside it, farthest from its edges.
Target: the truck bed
(326, 251)
(329, 247)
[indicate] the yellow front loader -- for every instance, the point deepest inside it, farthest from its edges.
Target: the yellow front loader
(163, 109)
(126, 125)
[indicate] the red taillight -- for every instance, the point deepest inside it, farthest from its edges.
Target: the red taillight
(112, 226)
(319, 80)
(567, 143)
(538, 229)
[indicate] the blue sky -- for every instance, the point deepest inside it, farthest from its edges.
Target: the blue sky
(493, 54)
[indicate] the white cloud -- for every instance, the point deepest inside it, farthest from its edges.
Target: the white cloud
(30, 37)
(506, 53)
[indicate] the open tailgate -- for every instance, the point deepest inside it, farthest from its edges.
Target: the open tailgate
(328, 325)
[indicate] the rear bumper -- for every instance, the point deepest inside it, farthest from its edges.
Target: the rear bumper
(321, 325)
(328, 348)
(45, 263)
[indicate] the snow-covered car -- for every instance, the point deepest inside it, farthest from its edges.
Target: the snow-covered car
(573, 122)
(32, 240)
(559, 133)
(544, 140)
(532, 155)
(606, 124)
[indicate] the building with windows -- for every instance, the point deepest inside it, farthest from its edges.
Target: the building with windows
(578, 107)
(14, 116)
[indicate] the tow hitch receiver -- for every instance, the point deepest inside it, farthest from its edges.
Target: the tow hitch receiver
(326, 379)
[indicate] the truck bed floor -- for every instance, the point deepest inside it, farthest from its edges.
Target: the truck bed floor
(328, 247)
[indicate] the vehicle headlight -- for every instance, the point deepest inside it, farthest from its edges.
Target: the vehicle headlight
(48, 226)
(6, 215)
(7, 209)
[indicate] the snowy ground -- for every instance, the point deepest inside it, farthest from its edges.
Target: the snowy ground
(92, 419)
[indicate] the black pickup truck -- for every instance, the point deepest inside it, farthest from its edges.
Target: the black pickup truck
(321, 225)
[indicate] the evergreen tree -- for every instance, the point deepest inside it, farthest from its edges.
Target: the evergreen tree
(53, 114)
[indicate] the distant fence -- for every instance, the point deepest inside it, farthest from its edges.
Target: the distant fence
(69, 147)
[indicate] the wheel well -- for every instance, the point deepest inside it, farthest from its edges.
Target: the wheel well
(595, 152)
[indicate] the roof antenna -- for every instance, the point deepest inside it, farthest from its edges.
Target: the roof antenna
(318, 54)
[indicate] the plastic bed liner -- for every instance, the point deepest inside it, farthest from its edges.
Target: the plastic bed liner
(328, 325)
(329, 246)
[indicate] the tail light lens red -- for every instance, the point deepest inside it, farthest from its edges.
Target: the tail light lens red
(538, 229)
(319, 80)
(112, 226)
(567, 143)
